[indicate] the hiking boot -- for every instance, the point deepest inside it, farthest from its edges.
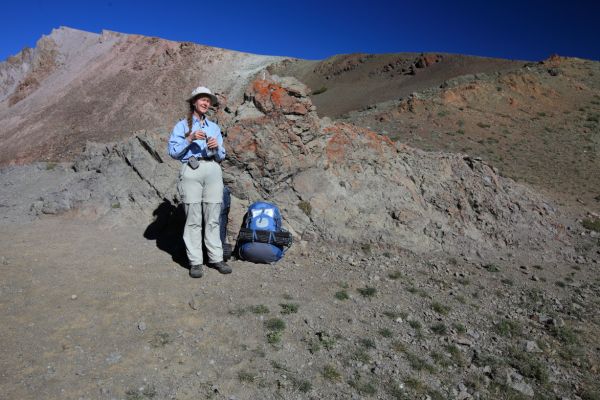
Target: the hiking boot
(196, 271)
(221, 266)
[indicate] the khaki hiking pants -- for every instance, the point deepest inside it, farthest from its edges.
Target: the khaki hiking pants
(201, 191)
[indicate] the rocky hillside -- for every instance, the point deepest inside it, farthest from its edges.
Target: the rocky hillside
(335, 182)
(538, 124)
(77, 86)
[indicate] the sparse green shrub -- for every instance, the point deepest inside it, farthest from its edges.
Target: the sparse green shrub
(330, 373)
(245, 376)
(456, 354)
(361, 356)
(439, 328)
(591, 224)
(560, 284)
(366, 248)
(385, 332)
(483, 125)
(565, 334)
(328, 342)
(418, 363)
(289, 308)
(259, 309)
(367, 291)
(115, 205)
(342, 295)
(391, 314)
(507, 281)
(508, 328)
(314, 345)
(416, 325)
(367, 343)
(395, 275)
(460, 328)
(275, 324)
(399, 347)
(303, 386)
(160, 339)
(50, 166)
(528, 365)
(440, 308)
(306, 207)
(274, 337)
(491, 267)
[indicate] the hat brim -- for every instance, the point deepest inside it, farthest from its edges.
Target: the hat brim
(213, 98)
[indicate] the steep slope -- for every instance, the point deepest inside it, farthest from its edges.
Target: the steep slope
(538, 124)
(78, 86)
(349, 82)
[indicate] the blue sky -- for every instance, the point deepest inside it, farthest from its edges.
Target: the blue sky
(526, 30)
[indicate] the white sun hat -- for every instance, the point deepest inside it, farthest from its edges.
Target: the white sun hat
(206, 91)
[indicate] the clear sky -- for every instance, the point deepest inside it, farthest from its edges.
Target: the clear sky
(525, 30)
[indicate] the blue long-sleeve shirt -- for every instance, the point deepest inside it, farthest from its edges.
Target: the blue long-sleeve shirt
(180, 149)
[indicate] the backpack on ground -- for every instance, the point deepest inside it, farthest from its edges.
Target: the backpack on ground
(262, 239)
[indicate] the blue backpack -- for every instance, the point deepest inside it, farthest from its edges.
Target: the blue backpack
(262, 239)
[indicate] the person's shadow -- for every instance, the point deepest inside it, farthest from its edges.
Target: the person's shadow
(167, 231)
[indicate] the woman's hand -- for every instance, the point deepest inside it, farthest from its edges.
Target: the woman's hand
(212, 143)
(196, 135)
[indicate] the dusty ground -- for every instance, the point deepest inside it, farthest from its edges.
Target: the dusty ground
(94, 311)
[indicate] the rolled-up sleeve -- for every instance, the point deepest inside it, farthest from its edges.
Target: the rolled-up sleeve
(177, 143)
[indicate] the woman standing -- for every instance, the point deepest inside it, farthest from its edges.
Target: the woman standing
(198, 144)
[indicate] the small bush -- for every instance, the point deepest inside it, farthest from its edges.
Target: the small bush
(245, 376)
(289, 308)
(440, 308)
(507, 282)
(491, 267)
(367, 343)
(367, 291)
(259, 309)
(330, 373)
(341, 295)
(482, 125)
(591, 224)
(305, 207)
(275, 324)
(395, 275)
(508, 328)
(274, 337)
(303, 386)
(161, 339)
(460, 328)
(418, 363)
(416, 325)
(50, 166)
(385, 332)
(439, 329)
(361, 356)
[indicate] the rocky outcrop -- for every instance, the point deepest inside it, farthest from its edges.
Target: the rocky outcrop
(335, 182)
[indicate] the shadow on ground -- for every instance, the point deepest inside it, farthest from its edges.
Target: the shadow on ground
(167, 231)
